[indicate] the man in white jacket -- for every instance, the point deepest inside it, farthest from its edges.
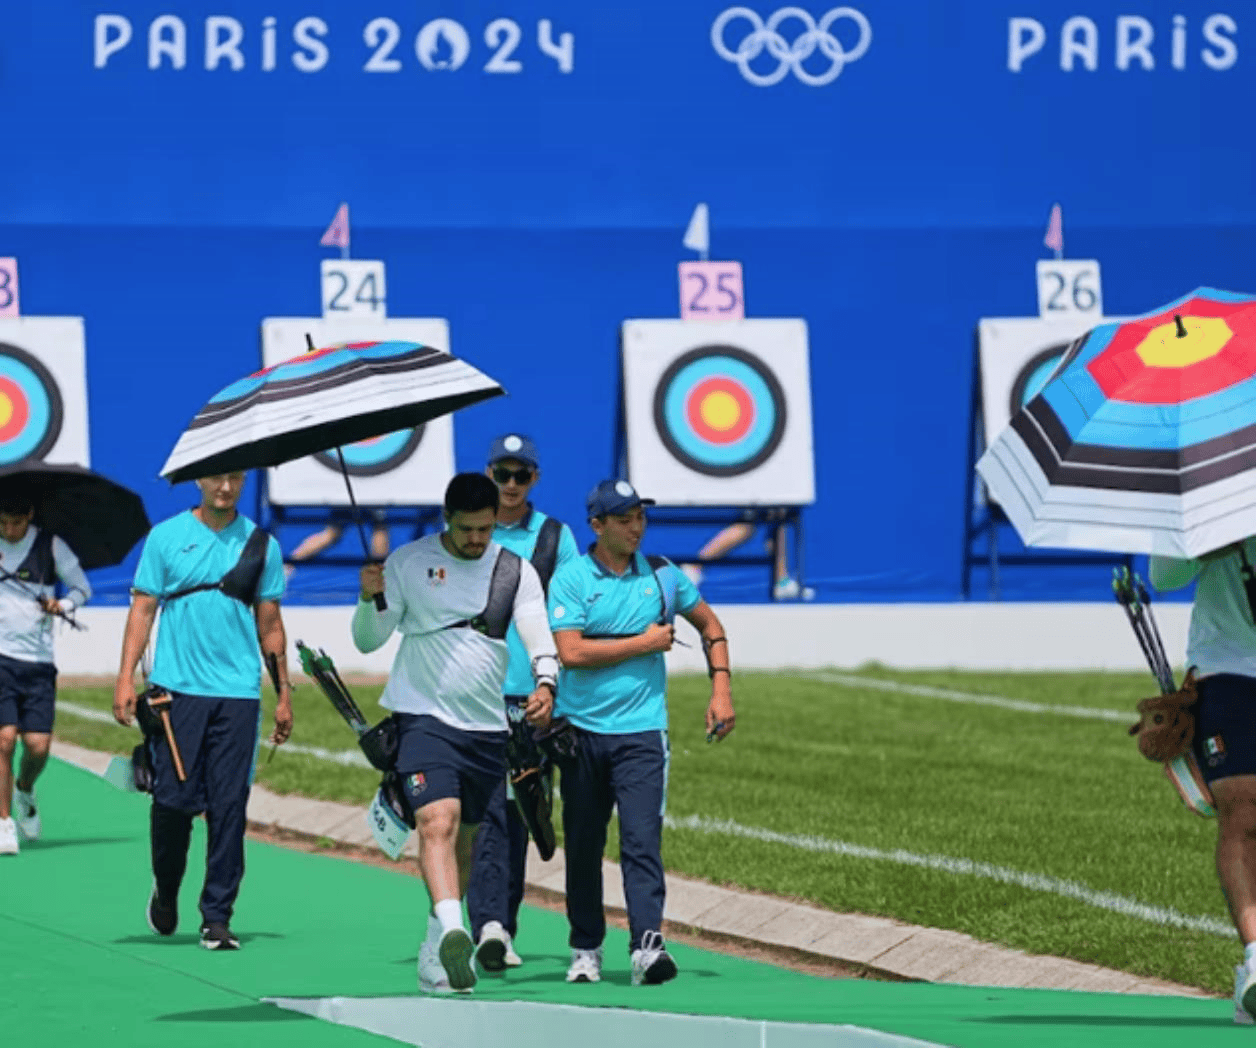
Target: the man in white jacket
(1222, 648)
(32, 561)
(452, 597)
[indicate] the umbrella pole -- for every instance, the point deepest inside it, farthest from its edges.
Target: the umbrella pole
(380, 603)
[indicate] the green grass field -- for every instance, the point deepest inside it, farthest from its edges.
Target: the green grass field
(1038, 793)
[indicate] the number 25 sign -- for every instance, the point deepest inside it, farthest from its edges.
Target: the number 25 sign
(711, 291)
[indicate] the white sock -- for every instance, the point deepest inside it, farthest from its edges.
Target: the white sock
(449, 913)
(1249, 956)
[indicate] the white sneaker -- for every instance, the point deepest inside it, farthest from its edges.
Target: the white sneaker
(26, 814)
(457, 957)
(586, 966)
(432, 977)
(787, 589)
(8, 837)
(513, 960)
(651, 963)
(490, 954)
(1244, 995)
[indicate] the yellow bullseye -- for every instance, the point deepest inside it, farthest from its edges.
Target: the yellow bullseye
(720, 410)
(1205, 337)
(6, 410)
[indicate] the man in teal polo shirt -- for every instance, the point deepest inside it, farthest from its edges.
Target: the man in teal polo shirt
(612, 612)
(501, 848)
(218, 582)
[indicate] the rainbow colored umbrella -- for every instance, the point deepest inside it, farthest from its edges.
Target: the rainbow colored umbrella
(322, 400)
(1144, 438)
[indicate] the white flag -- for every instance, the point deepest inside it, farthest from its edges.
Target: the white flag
(698, 235)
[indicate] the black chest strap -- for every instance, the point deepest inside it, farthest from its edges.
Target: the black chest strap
(545, 552)
(656, 562)
(241, 582)
(38, 567)
(494, 620)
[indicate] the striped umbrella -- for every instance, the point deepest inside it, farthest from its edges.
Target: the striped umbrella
(1144, 438)
(322, 400)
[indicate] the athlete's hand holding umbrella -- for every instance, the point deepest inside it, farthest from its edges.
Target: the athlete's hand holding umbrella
(320, 401)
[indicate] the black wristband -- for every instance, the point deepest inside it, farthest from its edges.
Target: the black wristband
(719, 669)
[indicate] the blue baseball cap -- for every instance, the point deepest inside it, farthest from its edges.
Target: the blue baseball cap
(514, 446)
(614, 496)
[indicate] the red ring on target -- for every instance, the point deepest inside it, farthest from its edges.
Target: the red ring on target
(20, 413)
(700, 397)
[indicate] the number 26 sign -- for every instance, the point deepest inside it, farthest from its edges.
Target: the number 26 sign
(711, 291)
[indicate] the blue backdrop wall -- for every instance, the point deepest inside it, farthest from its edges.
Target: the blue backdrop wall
(174, 205)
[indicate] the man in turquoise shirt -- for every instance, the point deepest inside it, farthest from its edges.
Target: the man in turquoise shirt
(499, 864)
(612, 614)
(219, 589)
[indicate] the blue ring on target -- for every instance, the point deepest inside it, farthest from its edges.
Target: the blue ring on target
(34, 392)
(370, 458)
(1034, 374)
(753, 383)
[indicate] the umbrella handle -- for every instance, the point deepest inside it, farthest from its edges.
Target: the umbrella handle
(381, 604)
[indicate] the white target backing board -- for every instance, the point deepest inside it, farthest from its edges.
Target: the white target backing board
(719, 414)
(43, 390)
(409, 468)
(1017, 355)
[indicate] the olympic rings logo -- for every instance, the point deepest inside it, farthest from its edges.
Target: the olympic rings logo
(765, 36)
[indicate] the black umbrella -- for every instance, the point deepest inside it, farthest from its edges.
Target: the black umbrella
(100, 520)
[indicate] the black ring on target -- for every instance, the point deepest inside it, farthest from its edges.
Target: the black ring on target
(51, 415)
(390, 461)
(764, 442)
(1031, 368)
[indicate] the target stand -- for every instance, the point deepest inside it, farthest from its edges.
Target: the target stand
(1013, 357)
(714, 424)
(398, 479)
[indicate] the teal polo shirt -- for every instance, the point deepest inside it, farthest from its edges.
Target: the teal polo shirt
(207, 641)
(630, 696)
(520, 538)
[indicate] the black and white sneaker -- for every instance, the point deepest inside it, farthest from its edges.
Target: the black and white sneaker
(651, 963)
(217, 936)
(162, 915)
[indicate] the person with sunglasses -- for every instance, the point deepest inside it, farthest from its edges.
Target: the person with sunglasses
(501, 849)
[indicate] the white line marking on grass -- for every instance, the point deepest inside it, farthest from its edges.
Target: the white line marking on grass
(1038, 882)
(1019, 705)
(349, 758)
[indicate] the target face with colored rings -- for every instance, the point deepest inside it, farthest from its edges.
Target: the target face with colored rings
(720, 411)
(31, 409)
(376, 455)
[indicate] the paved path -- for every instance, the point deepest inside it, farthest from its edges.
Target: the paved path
(880, 944)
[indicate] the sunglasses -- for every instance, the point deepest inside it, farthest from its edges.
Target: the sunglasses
(520, 476)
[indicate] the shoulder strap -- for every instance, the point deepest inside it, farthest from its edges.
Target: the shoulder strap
(494, 620)
(667, 601)
(241, 581)
(38, 566)
(545, 553)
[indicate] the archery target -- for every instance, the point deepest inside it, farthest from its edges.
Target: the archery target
(43, 391)
(1017, 356)
(410, 467)
(719, 415)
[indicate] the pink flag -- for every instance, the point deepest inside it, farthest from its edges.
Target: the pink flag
(337, 234)
(1055, 231)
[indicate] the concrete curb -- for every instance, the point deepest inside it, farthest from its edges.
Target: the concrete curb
(876, 944)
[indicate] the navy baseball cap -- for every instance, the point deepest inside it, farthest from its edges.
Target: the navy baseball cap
(614, 496)
(514, 446)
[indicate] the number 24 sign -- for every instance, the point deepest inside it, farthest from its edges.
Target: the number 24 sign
(711, 291)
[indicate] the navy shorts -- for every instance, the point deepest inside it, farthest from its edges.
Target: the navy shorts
(28, 694)
(436, 761)
(1225, 726)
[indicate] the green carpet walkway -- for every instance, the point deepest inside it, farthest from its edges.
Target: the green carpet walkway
(79, 966)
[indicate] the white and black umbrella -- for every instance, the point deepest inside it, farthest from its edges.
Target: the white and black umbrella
(1144, 438)
(320, 401)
